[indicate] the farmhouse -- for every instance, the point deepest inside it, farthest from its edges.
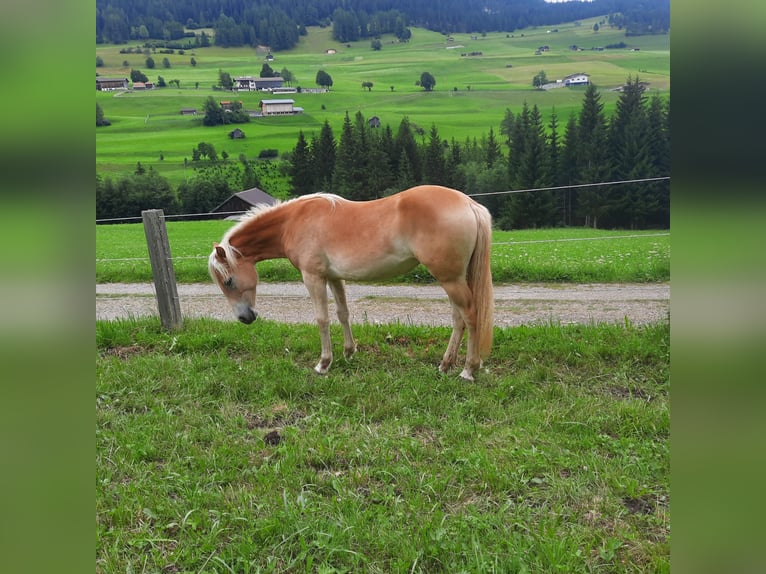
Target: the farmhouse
(229, 106)
(279, 108)
(253, 84)
(143, 85)
(244, 200)
(109, 84)
(236, 134)
(576, 79)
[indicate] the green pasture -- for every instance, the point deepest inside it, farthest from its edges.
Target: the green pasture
(219, 450)
(470, 97)
(542, 255)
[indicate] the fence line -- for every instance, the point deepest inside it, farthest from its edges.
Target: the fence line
(505, 192)
(580, 239)
(560, 187)
(526, 242)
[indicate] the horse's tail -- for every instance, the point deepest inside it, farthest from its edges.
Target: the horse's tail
(480, 279)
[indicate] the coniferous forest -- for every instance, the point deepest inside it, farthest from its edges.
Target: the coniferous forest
(278, 24)
(364, 162)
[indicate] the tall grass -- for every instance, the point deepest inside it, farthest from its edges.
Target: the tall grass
(218, 450)
(545, 255)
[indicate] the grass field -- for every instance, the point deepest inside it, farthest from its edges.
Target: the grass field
(557, 255)
(219, 451)
(470, 97)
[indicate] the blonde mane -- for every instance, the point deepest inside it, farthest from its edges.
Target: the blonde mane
(258, 210)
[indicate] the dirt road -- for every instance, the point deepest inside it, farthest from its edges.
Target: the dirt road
(417, 305)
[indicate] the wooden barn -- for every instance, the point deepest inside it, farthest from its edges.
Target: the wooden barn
(243, 201)
(109, 84)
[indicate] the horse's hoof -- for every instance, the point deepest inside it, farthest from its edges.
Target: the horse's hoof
(466, 376)
(321, 370)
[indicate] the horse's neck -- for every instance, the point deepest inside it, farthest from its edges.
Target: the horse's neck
(261, 238)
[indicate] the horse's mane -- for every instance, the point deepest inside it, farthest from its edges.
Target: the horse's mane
(259, 210)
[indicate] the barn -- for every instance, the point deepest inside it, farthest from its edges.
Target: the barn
(243, 201)
(279, 107)
(109, 84)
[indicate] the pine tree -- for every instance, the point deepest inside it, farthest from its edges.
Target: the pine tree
(324, 157)
(301, 167)
(593, 156)
(506, 126)
(518, 139)
(405, 177)
(343, 180)
(361, 161)
(404, 143)
(433, 160)
(630, 146)
(454, 175)
(534, 208)
(567, 169)
(493, 153)
(552, 170)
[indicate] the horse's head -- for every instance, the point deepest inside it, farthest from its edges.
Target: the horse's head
(237, 278)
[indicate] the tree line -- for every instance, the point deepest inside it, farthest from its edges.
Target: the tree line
(279, 24)
(366, 162)
(214, 178)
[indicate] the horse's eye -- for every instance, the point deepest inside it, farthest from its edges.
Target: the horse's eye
(229, 283)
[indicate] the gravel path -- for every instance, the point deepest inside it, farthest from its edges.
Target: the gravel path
(407, 304)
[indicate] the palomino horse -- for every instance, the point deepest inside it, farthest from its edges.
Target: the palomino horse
(330, 239)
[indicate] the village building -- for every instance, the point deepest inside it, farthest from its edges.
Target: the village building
(109, 84)
(285, 107)
(242, 202)
(576, 79)
(255, 84)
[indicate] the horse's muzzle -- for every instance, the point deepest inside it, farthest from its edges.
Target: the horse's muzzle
(247, 316)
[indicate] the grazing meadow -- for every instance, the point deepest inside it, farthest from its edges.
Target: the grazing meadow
(471, 94)
(219, 450)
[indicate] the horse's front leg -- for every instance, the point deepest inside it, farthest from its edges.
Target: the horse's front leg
(339, 292)
(317, 288)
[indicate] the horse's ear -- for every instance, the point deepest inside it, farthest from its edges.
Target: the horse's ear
(219, 252)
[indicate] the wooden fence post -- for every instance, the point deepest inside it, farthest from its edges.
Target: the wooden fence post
(162, 269)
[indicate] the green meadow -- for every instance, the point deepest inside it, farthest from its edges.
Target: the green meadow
(219, 450)
(470, 96)
(533, 255)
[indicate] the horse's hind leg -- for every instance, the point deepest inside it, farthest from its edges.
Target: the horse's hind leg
(317, 288)
(339, 292)
(458, 328)
(462, 303)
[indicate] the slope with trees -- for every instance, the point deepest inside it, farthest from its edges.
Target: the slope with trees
(279, 24)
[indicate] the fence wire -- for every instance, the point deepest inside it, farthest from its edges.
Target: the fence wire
(504, 192)
(211, 214)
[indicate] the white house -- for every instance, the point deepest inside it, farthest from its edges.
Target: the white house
(576, 79)
(252, 83)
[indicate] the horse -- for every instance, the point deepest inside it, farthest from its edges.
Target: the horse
(331, 240)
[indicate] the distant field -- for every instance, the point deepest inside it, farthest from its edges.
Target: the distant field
(556, 255)
(470, 97)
